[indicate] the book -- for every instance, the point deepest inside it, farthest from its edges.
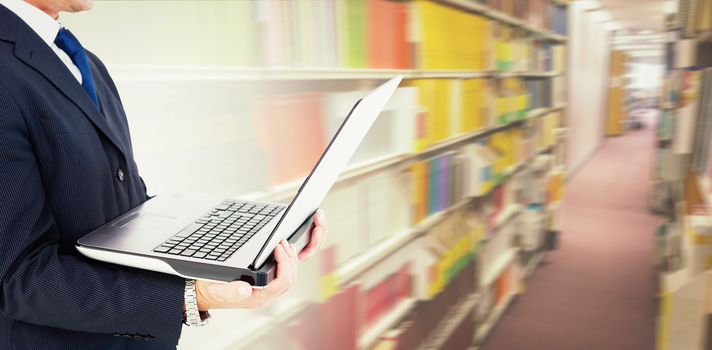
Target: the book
(686, 114)
(393, 131)
(383, 215)
(434, 98)
(381, 298)
(338, 315)
(419, 192)
(616, 104)
(344, 207)
(387, 37)
(448, 47)
(700, 154)
(685, 53)
(473, 106)
(291, 131)
(353, 33)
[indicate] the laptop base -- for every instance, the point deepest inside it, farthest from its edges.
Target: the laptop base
(258, 278)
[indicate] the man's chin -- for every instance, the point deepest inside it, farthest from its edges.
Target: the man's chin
(79, 6)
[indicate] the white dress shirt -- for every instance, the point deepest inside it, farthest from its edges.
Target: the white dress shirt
(45, 26)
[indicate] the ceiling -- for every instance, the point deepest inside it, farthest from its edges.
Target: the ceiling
(636, 15)
(639, 24)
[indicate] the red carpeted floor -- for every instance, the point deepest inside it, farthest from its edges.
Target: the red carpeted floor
(597, 292)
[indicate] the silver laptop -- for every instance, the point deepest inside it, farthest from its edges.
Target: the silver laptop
(204, 237)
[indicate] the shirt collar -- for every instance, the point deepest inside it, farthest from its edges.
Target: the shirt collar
(45, 26)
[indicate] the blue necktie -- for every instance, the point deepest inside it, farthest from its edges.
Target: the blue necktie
(69, 44)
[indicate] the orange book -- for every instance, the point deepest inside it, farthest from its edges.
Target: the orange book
(419, 201)
(387, 39)
(502, 287)
(402, 52)
(291, 131)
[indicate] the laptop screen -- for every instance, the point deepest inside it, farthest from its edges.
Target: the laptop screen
(331, 163)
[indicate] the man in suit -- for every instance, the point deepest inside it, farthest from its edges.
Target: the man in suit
(66, 168)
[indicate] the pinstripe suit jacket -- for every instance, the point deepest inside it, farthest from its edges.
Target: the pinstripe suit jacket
(60, 160)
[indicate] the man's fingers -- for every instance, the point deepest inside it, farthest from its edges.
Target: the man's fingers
(320, 219)
(295, 261)
(317, 236)
(241, 294)
(284, 268)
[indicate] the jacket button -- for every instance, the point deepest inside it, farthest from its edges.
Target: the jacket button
(120, 175)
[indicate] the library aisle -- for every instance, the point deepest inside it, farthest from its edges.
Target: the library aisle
(598, 290)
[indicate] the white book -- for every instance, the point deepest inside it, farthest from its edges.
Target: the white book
(685, 122)
(391, 134)
(532, 229)
(346, 221)
(476, 170)
(686, 316)
(700, 254)
(376, 196)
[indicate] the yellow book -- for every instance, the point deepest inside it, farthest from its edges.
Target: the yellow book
(501, 109)
(487, 43)
(450, 46)
(434, 96)
(419, 191)
(457, 95)
(703, 20)
(471, 118)
(556, 187)
(479, 104)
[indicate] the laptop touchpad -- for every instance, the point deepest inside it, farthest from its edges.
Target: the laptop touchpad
(144, 222)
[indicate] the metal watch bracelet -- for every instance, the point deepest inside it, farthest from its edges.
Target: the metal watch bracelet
(193, 316)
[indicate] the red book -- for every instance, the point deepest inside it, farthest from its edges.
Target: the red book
(339, 326)
(329, 325)
(291, 130)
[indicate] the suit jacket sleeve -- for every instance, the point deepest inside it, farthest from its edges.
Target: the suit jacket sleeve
(41, 283)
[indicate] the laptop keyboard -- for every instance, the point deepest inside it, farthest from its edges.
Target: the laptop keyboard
(221, 232)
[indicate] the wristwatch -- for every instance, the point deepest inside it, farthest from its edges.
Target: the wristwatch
(193, 316)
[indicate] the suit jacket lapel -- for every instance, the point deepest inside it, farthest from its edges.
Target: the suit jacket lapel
(30, 49)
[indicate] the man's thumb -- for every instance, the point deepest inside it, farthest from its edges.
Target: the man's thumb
(242, 289)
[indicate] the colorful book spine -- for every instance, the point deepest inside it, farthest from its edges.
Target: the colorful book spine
(352, 16)
(419, 176)
(433, 185)
(387, 39)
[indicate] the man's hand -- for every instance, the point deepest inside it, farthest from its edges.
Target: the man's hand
(238, 294)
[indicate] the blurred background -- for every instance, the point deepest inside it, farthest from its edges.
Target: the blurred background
(502, 199)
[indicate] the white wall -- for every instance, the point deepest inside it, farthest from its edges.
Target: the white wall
(589, 58)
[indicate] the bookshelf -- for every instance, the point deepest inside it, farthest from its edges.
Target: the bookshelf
(681, 178)
(363, 262)
(285, 191)
(134, 73)
(506, 18)
(495, 129)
